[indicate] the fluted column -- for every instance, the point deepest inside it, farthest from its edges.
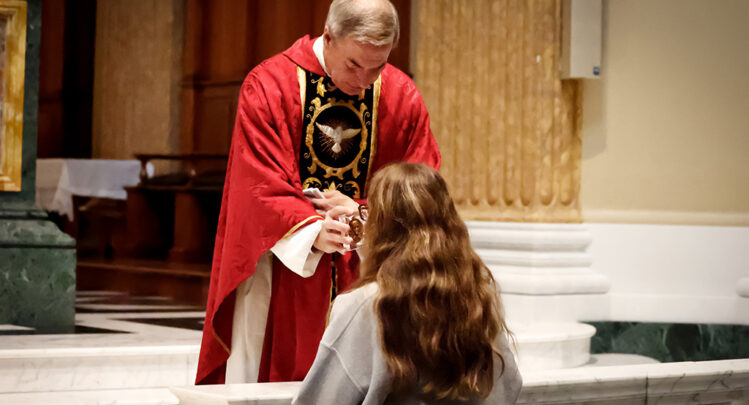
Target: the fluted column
(508, 131)
(506, 124)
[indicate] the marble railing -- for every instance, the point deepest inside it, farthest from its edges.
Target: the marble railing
(707, 382)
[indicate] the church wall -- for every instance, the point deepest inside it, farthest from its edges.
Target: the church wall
(137, 77)
(665, 138)
(673, 273)
(665, 130)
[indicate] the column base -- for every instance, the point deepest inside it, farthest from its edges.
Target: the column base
(543, 270)
(544, 273)
(550, 346)
(37, 272)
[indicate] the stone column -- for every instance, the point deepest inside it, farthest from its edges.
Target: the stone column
(506, 124)
(508, 131)
(37, 261)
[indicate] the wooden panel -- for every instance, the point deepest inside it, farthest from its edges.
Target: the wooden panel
(51, 57)
(186, 282)
(66, 76)
(399, 57)
(279, 23)
(215, 108)
(226, 34)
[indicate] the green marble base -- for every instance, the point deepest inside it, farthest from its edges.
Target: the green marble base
(37, 272)
(668, 342)
(37, 261)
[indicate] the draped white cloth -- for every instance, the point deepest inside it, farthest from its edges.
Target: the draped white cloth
(58, 180)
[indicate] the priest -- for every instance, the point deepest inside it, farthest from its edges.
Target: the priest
(327, 113)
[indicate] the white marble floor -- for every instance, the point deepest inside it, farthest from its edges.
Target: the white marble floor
(119, 342)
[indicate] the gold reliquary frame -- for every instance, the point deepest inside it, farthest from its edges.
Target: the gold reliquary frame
(12, 67)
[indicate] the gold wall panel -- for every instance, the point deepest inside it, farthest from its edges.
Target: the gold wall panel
(12, 72)
(506, 124)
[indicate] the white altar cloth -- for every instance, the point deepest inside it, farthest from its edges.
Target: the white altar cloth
(58, 180)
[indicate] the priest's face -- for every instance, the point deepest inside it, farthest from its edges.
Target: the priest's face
(353, 66)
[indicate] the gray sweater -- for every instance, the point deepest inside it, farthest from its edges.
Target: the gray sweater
(350, 367)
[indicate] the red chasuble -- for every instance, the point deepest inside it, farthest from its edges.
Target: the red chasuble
(287, 136)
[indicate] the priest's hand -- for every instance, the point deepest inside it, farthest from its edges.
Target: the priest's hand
(334, 233)
(332, 199)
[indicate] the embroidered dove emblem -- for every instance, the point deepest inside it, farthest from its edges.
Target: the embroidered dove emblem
(337, 135)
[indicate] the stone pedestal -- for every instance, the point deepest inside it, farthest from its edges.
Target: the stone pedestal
(543, 269)
(547, 286)
(37, 272)
(37, 260)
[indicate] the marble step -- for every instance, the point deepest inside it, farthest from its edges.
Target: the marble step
(551, 345)
(133, 396)
(125, 354)
(88, 368)
(633, 381)
(63, 363)
(116, 362)
(540, 346)
(116, 347)
(185, 395)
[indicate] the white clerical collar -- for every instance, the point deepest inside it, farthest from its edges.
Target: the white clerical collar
(317, 49)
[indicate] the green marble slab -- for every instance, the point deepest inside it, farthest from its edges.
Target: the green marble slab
(37, 274)
(672, 342)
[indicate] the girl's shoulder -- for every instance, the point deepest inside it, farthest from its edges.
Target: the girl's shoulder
(351, 310)
(364, 293)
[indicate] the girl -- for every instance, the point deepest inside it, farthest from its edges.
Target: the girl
(425, 324)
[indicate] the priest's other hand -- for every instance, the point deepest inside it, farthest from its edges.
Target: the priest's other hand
(332, 199)
(334, 233)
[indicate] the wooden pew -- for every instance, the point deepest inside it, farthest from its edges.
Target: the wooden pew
(174, 216)
(167, 232)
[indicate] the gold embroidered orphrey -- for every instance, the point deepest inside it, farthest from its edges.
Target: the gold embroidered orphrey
(339, 132)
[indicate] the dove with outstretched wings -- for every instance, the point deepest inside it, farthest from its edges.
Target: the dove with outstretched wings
(337, 135)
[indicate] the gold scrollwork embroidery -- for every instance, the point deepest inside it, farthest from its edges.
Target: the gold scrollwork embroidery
(373, 146)
(352, 185)
(321, 88)
(312, 182)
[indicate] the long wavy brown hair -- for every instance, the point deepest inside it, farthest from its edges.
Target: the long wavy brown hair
(437, 303)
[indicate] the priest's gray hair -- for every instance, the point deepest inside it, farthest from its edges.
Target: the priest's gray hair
(370, 21)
